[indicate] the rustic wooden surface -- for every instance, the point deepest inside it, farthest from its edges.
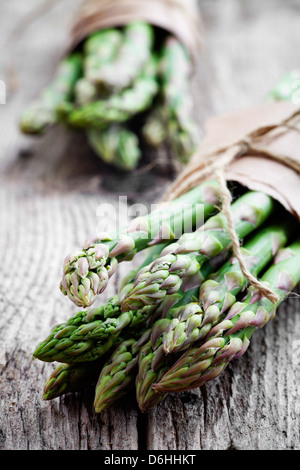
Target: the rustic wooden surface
(51, 190)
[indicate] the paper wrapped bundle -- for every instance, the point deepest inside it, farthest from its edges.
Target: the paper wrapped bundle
(180, 18)
(258, 147)
(125, 80)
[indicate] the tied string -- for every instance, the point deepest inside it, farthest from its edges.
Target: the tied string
(226, 204)
(206, 164)
(214, 164)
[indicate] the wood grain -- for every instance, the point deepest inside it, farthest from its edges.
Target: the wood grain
(50, 193)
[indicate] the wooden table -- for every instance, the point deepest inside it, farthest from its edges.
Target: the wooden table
(51, 191)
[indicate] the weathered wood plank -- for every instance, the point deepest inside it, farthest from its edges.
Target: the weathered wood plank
(50, 193)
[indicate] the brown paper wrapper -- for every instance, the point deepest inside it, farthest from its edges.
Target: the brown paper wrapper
(264, 145)
(181, 18)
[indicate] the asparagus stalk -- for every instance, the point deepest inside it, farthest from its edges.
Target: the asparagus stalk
(86, 273)
(175, 73)
(100, 49)
(116, 145)
(89, 335)
(42, 112)
(67, 378)
(287, 89)
(118, 375)
(154, 129)
(76, 376)
(74, 350)
(231, 338)
(85, 92)
(153, 363)
(133, 54)
(118, 107)
(260, 250)
(152, 367)
(180, 262)
(193, 322)
(86, 335)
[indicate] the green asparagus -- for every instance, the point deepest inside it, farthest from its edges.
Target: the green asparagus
(116, 145)
(154, 129)
(193, 322)
(287, 89)
(100, 49)
(118, 107)
(42, 112)
(153, 363)
(86, 273)
(118, 375)
(230, 338)
(67, 378)
(85, 92)
(180, 262)
(175, 73)
(86, 335)
(132, 56)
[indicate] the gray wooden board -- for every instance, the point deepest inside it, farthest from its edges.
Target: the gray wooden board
(51, 190)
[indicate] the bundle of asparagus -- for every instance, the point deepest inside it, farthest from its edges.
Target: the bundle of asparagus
(192, 306)
(185, 313)
(124, 87)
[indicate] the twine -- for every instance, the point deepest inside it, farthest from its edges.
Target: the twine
(215, 163)
(226, 204)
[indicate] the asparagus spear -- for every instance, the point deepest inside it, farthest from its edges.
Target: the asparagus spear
(116, 145)
(67, 378)
(118, 375)
(231, 338)
(152, 367)
(79, 375)
(42, 112)
(85, 92)
(217, 294)
(260, 250)
(175, 73)
(154, 129)
(86, 273)
(118, 107)
(153, 363)
(73, 350)
(100, 49)
(180, 262)
(133, 54)
(86, 335)
(287, 89)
